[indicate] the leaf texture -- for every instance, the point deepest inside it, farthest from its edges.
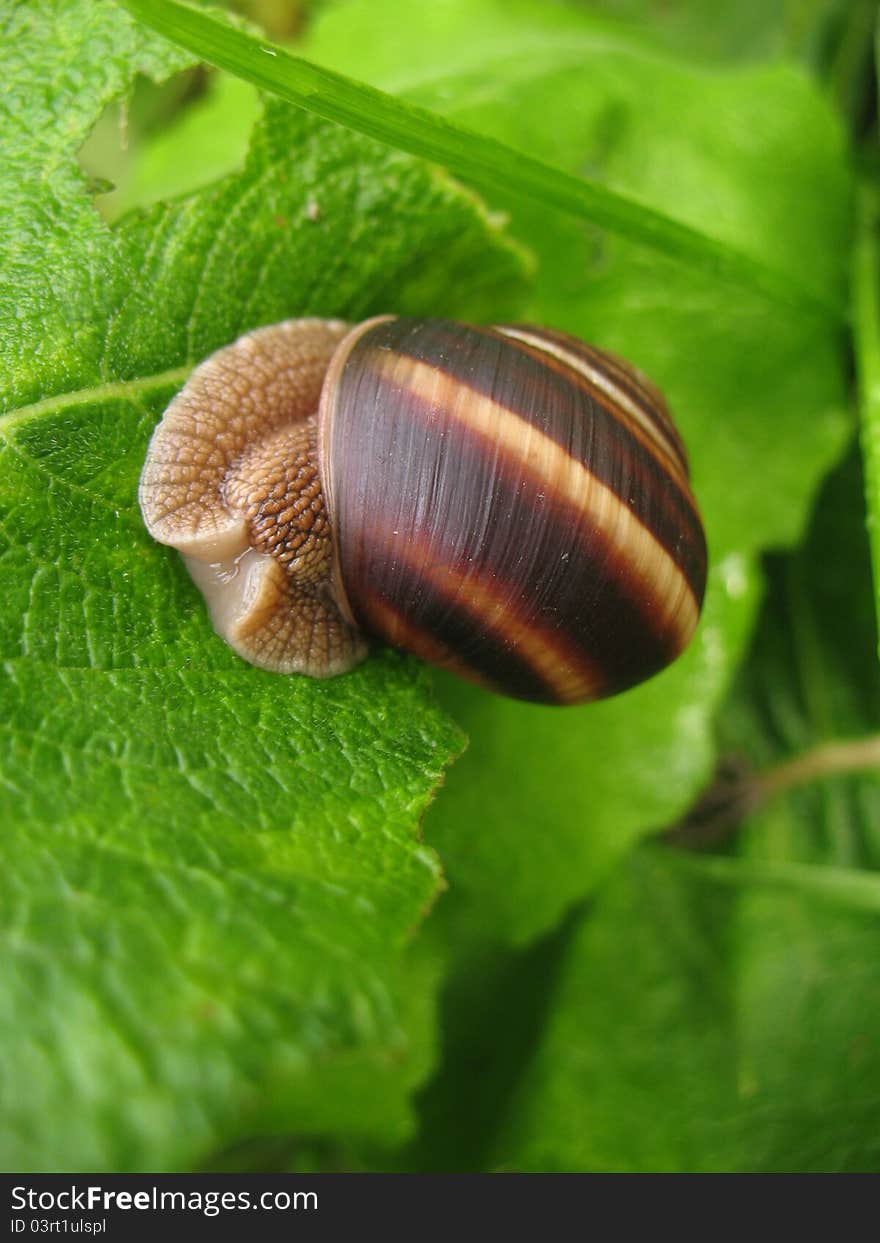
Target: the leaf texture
(210, 873)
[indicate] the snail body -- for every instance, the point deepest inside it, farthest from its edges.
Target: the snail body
(508, 503)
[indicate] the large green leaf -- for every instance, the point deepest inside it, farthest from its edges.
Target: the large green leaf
(833, 37)
(710, 1013)
(721, 1013)
(543, 803)
(710, 1016)
(209, 873)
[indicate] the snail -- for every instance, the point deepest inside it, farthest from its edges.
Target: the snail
(508, 503)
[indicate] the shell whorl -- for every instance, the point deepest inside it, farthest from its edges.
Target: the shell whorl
(511, 504)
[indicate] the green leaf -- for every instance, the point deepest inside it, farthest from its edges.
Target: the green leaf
(748, 30)
(832, 37)
(46, 292)
(623, 1040)
(710, 1016)
(715, 168)
(803, 720)
(543, 804)
(210, 873)
(468, 153)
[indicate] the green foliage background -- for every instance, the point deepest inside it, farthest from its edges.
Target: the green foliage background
(255, 922)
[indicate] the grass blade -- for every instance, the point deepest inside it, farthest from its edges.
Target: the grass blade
(866, 303)
(475, 157)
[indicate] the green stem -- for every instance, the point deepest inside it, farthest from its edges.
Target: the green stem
(737, 791)
(476, 157)
(831, 759)
(866, 302)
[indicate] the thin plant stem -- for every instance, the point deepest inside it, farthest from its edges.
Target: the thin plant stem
(830, 759)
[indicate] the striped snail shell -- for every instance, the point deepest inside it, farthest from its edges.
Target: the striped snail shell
(508, 503)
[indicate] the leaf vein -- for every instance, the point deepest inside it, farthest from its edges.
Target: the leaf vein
(121, 389)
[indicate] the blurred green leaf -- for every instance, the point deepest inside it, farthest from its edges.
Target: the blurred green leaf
(201, 141)
(812, 683)
(721, 1013)
(831, 37)
(210, 873)
(749, 29)
(710, 1015)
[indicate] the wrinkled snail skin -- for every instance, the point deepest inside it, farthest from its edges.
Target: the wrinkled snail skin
(508, 503)
(229, 480)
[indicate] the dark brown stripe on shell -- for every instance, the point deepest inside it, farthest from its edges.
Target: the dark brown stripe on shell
(642, 431)
(397, 630)
(622, 434)
(582, 467)
(485, 363)
(600, 377)
(406, 463)
(628, 378)
(447, 628)
(510, 374)
(602, 648)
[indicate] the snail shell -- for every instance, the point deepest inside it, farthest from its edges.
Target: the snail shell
(508, 503)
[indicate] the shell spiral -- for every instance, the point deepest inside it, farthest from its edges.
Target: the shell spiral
(511, 504)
